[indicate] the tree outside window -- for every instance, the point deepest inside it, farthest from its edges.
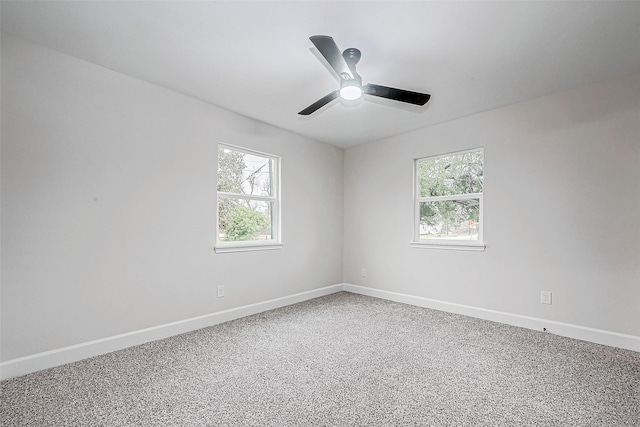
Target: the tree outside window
(248, 201)
(449, 190)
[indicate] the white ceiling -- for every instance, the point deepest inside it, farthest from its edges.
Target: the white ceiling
(255, 58)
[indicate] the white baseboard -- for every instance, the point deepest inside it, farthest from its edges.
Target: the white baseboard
(49, 359)
(598, 336)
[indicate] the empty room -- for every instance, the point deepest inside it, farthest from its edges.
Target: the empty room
(320, 213)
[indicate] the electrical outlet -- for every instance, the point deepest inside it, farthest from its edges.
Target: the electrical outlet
(220, 291)
(545, 297)
(364, 272)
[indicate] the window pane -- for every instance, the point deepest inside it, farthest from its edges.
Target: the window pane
(244, 220)
(244, 173)
(450, 175)
(450, 219)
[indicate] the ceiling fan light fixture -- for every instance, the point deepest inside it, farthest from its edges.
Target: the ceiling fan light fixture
(350, 92)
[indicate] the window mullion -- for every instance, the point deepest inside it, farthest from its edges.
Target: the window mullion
(246, 196)
(452, 197)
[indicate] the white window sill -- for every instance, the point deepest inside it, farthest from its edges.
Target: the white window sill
(450, 245)
(247, 247)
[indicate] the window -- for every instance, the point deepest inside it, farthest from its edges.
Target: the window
(248, 200)
(448, 201)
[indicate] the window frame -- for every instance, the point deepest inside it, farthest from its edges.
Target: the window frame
(275, 199)
(465, 245)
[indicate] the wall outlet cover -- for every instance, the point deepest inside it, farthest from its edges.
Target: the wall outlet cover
(545, 297)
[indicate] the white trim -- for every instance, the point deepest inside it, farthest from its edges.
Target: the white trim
(452, 153)
(453, 197)
(450, 245)
(49, 359)
(245, 150)
(254, 246)
(256, 197)
(598, 336)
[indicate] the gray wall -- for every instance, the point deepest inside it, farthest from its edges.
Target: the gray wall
(108, 207)
(109, 202)
(562, 210)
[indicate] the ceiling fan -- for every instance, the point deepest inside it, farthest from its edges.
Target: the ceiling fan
(351, 87)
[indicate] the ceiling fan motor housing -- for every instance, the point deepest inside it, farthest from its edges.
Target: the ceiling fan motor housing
(351, 57)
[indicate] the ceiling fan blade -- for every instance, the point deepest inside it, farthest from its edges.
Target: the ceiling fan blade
(320, 103)
(332, 54)
(401, 95)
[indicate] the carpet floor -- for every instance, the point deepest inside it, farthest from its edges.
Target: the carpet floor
(339, 360)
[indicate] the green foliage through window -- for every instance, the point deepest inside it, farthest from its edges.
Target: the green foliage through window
(451, 174)
(246, 198)
(245, 224)
(450, 195)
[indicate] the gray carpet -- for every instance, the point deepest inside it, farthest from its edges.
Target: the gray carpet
(340, 360)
